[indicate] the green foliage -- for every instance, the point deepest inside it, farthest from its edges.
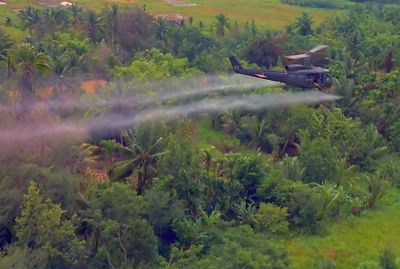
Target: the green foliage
(191, 43)
(303, 24)
(303, 203)
(222, 22)
(354, 143)
(108, 147)
(265, 51)
(327, 264)
(180, 170)
(336, 199)
(143, 147)
(205, 210)
(40, 227)
(292, 168)
(376, 187)
(245, 213)
(368, 265)
(190, 232)
(23, 258)
(389, 168)
(271, 218)
(5, 45)
(57, 185)
(246, 169)
(388, 260)
(339, 4)
(155, 65)
(318, 157)
(119, 235)
(161, 209)
(250, 249)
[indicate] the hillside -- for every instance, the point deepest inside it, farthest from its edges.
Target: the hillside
(271, 14)
(129, 140)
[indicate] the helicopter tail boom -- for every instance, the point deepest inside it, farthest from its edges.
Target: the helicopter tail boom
(235, 64)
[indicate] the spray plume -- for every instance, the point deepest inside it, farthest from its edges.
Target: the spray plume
(27, 131)
(137, 92)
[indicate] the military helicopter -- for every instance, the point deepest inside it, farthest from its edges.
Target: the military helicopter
(302, 75)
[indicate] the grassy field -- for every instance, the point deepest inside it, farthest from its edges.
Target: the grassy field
(348, 241)
(267, 13)
(353, 240)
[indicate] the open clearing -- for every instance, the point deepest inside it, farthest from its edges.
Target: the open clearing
(351, 241)
(266, 13)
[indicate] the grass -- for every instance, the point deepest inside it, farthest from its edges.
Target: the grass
(268, 14)
(352, 240)
(208, 138)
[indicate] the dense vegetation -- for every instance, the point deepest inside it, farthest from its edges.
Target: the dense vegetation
(338, 4)
(184, 194)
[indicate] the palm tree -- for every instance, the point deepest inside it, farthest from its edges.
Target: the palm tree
(5, 45)
(76, 12)
(30, 63)
(143, 148)
(303, 24)
(222, 24)
(93, 26)
(161, 30)
(55, 19)
(376, 186)
(255, 127)
(8, 21)
(230, 122)
(112, 24)
(29, 18)
(62, 67)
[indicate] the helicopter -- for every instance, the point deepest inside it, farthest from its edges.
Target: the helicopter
(302, 75)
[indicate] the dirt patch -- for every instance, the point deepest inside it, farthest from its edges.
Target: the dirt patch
(52, 3)
(331, 254)
(171, 17)
(92, 85)
(180, 3)
(66, 4)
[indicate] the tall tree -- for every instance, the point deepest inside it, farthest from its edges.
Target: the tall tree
(93, 26)
(5, 45)
(30, 63)
(180, 171)
(222, 24)
(29, 18)
(112, 15)
(41, 227)
(136, 30)
(76, 13)
(117, 233)
(303, 24)
(143, 146)
(161, 30)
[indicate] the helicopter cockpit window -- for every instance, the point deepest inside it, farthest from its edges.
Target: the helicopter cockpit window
(314, 77)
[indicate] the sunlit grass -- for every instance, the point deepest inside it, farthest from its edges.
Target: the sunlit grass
(353, 240)
(267, 14)
(270, 14)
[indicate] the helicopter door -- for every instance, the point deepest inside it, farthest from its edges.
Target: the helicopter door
(312, 79)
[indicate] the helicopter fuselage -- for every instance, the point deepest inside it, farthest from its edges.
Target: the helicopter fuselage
(294, 75)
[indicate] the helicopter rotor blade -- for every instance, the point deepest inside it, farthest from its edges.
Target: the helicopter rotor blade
(317, 49)
(298, 56)
(315, 54)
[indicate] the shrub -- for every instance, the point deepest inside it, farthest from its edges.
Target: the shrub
(271, 218)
